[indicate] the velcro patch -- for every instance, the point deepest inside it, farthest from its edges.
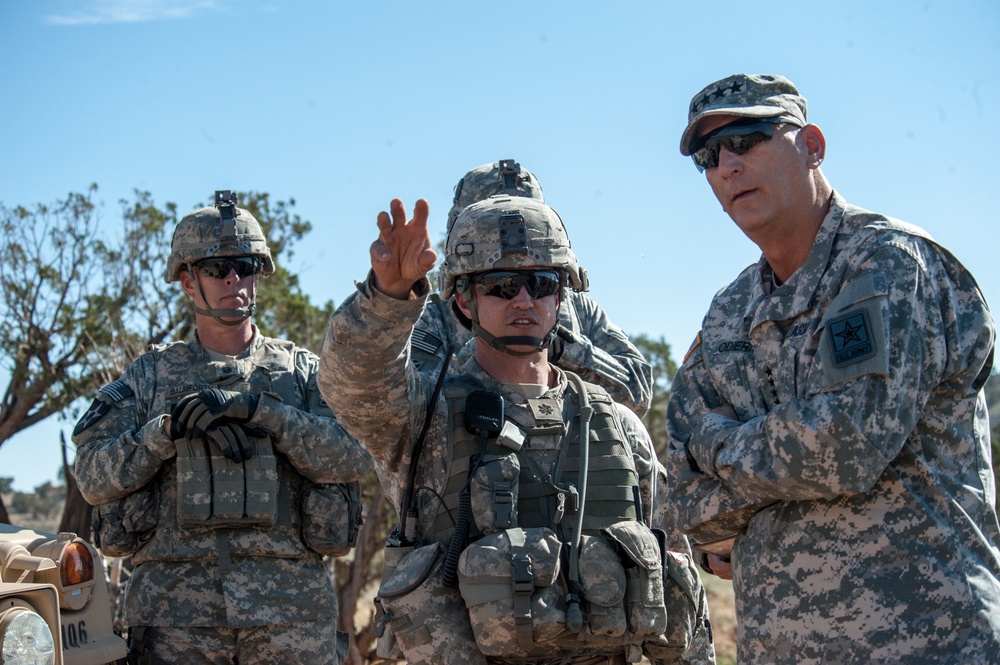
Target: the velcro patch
(850, 338)
(117, 390)
(425, 341)
(96, 411)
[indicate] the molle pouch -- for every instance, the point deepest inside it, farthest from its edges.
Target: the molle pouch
(640, 556)
(194, 484)
(331, 516)
(604, 585)
(228, 489)
(686, 602)
(385, 646)
(121, 527)
(511, 584)
(494, 491)
(427, 618)
(261, 473)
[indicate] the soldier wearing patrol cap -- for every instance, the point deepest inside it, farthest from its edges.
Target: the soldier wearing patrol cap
(215, 464)
(586, 341)
(829, 443)
(526, 494)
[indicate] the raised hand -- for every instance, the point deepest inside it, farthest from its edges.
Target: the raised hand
(402, 254)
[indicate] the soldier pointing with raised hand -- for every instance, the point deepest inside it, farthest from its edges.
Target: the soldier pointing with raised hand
(525, 493)
(213, 463)
(585, 342)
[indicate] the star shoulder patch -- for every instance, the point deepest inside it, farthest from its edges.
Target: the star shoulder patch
(851, 339)
(114, 392)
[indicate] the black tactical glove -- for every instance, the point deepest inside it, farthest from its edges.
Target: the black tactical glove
(178, 428)
(195, 414)
(233, 441)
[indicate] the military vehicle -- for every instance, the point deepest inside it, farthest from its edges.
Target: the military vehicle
(54, 604)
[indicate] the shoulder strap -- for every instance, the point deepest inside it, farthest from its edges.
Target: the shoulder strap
(407, 505)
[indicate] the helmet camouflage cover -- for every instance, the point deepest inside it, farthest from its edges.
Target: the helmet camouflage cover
(219, 230)
(503, 177)
(507, 232)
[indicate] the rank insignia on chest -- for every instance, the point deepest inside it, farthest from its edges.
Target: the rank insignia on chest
(546, 411)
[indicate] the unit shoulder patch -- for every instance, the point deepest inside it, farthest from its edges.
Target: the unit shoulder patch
(850, 338)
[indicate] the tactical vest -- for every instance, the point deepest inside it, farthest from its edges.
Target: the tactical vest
(184, 500)
(537, 486)
(520, 577)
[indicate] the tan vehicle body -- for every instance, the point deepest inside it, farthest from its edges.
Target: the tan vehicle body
(61, 578)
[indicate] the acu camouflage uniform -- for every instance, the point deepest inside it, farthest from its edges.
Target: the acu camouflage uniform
(589, 343)
(233, 577)
(385, 404)
(227, 553)
(520, 485)
(857, 480)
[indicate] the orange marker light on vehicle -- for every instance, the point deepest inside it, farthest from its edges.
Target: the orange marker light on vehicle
(76, 565)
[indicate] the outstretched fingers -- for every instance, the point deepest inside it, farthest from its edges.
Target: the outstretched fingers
(402, 254)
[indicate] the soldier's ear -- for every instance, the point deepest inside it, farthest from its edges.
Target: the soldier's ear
(187, 282)
(815, 145)
(463, 306)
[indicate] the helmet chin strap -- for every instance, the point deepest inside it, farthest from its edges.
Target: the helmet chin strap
(242, 313)
(504, 343)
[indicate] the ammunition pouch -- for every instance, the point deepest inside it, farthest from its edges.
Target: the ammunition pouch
(331, 517)
(686, 608)
(639, 552)
(121, 527)
(216, 492)
(427, 619)
(494, 491)
(516, 589)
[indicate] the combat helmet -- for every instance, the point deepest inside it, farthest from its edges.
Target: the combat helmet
(503, 177)
(507, 232)
(218, 231)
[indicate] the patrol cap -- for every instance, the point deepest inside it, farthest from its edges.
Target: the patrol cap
(503, 177)
(748, 95)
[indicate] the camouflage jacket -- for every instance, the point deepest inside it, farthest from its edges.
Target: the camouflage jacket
(591, 346)
(857, 475)
(367, 377)
(186, 577)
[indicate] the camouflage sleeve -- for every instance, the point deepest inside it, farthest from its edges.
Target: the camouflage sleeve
(600, 352)
(698, 503)
(853, 418)
(365, 374)
(118, 451)
(313, 441)
(652, 488)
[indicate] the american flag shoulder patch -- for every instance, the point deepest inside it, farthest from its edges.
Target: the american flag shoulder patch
(425, 342)
(117, 390)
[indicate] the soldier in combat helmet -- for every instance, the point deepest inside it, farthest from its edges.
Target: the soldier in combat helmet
(587, 342)
(215, 464)
(525, 493)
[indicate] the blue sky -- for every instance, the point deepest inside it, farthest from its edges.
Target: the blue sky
(343, 106)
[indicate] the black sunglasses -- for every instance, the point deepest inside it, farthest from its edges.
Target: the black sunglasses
(219, 268)
(737, 137)
(507, 284)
